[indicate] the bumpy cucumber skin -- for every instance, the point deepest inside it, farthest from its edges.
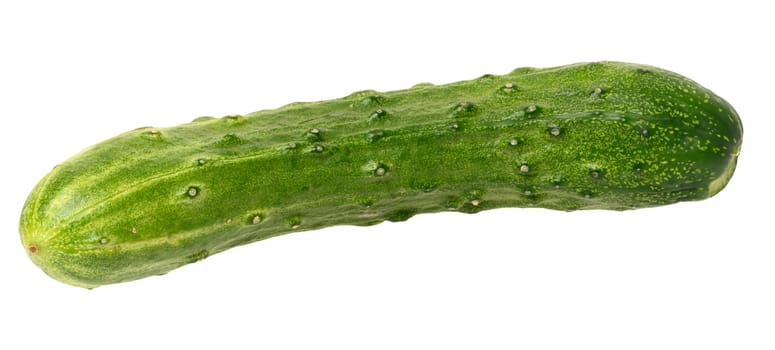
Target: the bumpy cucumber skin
(605, 135)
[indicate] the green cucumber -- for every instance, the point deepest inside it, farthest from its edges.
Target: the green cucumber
(605, 135)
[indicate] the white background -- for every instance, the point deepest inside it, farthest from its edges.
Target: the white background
(697, 275)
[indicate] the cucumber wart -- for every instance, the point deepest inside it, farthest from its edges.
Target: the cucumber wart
(604, 135)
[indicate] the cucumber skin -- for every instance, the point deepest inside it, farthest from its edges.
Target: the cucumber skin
(603, 135)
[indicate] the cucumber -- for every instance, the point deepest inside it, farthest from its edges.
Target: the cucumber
(603, 135)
